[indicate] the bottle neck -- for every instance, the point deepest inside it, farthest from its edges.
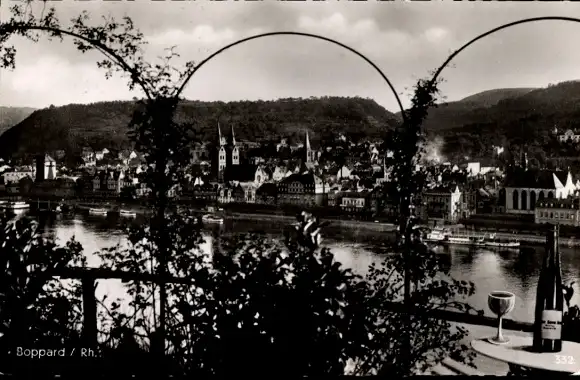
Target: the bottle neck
(556, 249)
(550, 257)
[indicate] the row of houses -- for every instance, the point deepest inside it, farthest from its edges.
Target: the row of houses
(545, 195)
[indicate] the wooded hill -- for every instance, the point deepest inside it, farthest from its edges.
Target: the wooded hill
(104, 124)
(522, 118)
(513, 117)
(10, 116)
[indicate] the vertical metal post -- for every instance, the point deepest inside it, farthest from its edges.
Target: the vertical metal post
(89, 311)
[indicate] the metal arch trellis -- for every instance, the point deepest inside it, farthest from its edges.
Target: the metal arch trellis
(316, 36)
(109, 53)
(492, 31)
(88, 281)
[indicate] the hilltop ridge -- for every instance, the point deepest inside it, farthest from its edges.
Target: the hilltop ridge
(10, 116)
(104, 124)
(470, 127)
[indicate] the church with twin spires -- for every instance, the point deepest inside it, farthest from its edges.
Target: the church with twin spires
(228, 153)
(227, 165)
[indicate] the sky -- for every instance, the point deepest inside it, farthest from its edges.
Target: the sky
(406, 40)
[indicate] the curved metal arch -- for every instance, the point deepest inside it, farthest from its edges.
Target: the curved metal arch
(200, 65)
(109, 53)
(505, 26)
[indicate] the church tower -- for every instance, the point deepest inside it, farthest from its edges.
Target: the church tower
(385, 172)
(308, 150)
(524, 160)
(235, 150)
(222, 152)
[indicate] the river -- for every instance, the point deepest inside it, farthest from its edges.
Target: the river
(514, 271)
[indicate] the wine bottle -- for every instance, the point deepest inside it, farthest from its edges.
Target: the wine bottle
(549, 299)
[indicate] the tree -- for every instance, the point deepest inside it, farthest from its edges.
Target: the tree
(252, 291)
(36, 311)
(152, 122)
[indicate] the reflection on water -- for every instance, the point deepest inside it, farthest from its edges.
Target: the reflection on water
(512, 270)
(516, 271)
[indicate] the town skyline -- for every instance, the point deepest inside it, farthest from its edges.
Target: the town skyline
(420, 36)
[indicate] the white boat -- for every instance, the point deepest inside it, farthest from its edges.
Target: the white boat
(128, 213)
(438, 235)
(98, 211)
(509, 244)
(466, 240)
(18, 205)
(493, 242)
(208, 218)
(460, 240)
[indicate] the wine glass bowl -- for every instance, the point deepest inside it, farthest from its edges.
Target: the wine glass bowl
(500, 303)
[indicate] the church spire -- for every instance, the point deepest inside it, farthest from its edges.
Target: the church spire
(524, 160)
(220, 137)
(385, 166)
(307, 150)
(233, 136)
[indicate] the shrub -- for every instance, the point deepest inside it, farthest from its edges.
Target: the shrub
(36, 311)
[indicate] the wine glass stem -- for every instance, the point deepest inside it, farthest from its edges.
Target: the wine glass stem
(499, 334)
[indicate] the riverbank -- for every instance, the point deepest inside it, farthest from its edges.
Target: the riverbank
(524, 239)
(355, 225)
(111, 206)
(351, 224)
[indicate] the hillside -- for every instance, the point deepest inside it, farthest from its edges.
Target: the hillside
(492, 97)
(506, 106)
(524, 119)
(10, 116)
(105, 124)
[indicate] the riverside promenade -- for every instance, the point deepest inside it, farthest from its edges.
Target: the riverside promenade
(458, 230)
(524, 239)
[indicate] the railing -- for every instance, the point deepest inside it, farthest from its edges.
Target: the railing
(88, 276)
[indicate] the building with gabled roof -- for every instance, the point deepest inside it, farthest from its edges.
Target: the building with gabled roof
(558, 211)
(304, 189)
(45, 168)
(524, 188)
(441, 203)
(356, 201)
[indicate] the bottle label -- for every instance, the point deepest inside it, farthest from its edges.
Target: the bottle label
(552, 324)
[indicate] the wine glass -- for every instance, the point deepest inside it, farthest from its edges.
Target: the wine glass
(500, 303)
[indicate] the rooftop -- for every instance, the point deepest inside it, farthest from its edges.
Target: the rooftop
(537, 179)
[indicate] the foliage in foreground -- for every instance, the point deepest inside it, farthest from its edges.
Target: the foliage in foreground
(36, 311)
(294, 309)
(290, 306)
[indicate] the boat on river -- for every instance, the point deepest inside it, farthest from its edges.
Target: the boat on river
(209, 218)
(15, 205)
(466, 240)
(442, 236)
(437, 236)
(127, 213)
(98, 211)
(493, 242)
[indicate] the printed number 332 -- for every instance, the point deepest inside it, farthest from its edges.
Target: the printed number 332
(562, 359)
